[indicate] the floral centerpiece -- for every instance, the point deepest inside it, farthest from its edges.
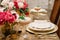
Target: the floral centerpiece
(20, 6)
(8, 20)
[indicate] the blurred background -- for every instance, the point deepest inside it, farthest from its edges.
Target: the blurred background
(46, 4)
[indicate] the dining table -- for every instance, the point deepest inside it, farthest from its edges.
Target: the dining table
(25, 35)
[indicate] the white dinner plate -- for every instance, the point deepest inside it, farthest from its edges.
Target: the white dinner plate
(50, 26)
(48, 32)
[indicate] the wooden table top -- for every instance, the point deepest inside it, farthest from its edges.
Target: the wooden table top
(24, 35)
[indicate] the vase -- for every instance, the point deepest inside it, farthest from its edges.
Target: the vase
(1, 34)
(6, 30)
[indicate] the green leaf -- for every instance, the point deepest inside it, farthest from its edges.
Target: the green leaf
(27, 9)
(21, 10)
(21, 17)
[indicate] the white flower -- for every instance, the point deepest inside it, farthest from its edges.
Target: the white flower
(11, 4)
(5, 2)
(1, 9)
(20, 4)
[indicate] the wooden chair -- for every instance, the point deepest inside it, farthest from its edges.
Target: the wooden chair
(55, 14)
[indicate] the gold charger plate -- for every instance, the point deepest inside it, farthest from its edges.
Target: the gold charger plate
(46, 32)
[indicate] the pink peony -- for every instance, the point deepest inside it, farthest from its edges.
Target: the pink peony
(6, 17)
(9, 17)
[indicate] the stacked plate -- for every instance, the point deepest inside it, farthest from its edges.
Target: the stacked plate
(41, 27)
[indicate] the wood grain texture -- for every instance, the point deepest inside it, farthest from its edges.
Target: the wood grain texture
(55, 10)
(58, 23)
